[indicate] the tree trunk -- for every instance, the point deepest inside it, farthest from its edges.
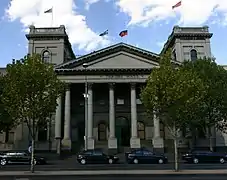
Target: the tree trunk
(210, 139)
(176, 167)
(32, 156)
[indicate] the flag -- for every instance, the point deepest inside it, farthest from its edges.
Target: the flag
(123, 33)
(49, 10)
(176, 5)
(104, 33)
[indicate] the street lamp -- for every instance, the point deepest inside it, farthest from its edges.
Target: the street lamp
(85, 65)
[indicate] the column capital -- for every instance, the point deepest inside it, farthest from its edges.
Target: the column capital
(89, 85)
(67, 86)
(111, 85)
(133, 85)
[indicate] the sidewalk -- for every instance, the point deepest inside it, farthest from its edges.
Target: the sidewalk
(112, 172)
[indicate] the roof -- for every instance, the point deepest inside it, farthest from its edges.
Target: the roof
(107, 51)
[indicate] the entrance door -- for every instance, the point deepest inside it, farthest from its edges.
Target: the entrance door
(122, 131)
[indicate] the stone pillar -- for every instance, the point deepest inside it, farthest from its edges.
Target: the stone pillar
(58, 125)
(112, 141)
(90, 142)
(158, 143)
(134, 141)
(66, 142)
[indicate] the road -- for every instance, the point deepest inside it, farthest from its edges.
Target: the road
(125, 177)
(76, 166)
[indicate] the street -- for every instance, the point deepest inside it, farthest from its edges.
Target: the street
(61, 165)
(120, 177)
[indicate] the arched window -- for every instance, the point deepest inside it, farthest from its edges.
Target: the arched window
(193, 54)
(42, 132)
(46, 56)
(101, 132)
(141, 130)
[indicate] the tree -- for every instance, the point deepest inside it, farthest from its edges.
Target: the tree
(30, 93)
(6, 122)
(172, 92)
(213, 105)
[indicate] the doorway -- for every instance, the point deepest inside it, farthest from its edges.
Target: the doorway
(123, 131)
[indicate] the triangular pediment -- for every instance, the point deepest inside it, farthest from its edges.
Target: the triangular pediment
(120, 60)
(120, 56)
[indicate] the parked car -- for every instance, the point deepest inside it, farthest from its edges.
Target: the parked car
(204, 157)
(19, 158)
(145, 156)
(96, 156)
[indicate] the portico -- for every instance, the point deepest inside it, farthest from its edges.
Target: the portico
(120, 86)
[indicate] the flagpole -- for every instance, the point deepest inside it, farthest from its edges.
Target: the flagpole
(52, 17)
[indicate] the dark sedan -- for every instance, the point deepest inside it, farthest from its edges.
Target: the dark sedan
(144, 156)
(96, 156)
(19, 158)
(205, 157)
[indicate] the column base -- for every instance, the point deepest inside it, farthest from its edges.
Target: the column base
(135, 143)
(58, 145)
(158, 145)
(90, 143)
(112, 145)
(66, 144)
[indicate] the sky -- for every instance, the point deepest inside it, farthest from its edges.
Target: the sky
(149, 23)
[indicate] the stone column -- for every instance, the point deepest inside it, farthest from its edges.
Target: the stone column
(112, 141)
(58, 125)
(158, 143)
(134, 141)
(66, 142)
(90, 117)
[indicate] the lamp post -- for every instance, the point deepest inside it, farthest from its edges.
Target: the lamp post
(85, 65)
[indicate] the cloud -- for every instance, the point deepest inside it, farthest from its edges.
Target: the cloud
(64, 13)
(88, 3)
(192, 12)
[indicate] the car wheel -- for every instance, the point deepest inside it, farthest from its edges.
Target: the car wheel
(83, 161)
(110, 161)
(160, 161)
(222, 160)
(3, 162)
(195, 161)
(135, 161)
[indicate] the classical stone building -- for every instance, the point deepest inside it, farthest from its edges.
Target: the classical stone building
(114, 75)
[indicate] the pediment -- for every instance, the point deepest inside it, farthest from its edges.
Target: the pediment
(120, 60)
(119, 56)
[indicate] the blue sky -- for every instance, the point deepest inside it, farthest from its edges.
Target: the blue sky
(149, 22)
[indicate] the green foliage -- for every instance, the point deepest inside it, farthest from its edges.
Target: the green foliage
(30, 91)
(213, 105)
(172, 92)
(6, 122)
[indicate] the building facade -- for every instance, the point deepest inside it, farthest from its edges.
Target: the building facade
(116, 118)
